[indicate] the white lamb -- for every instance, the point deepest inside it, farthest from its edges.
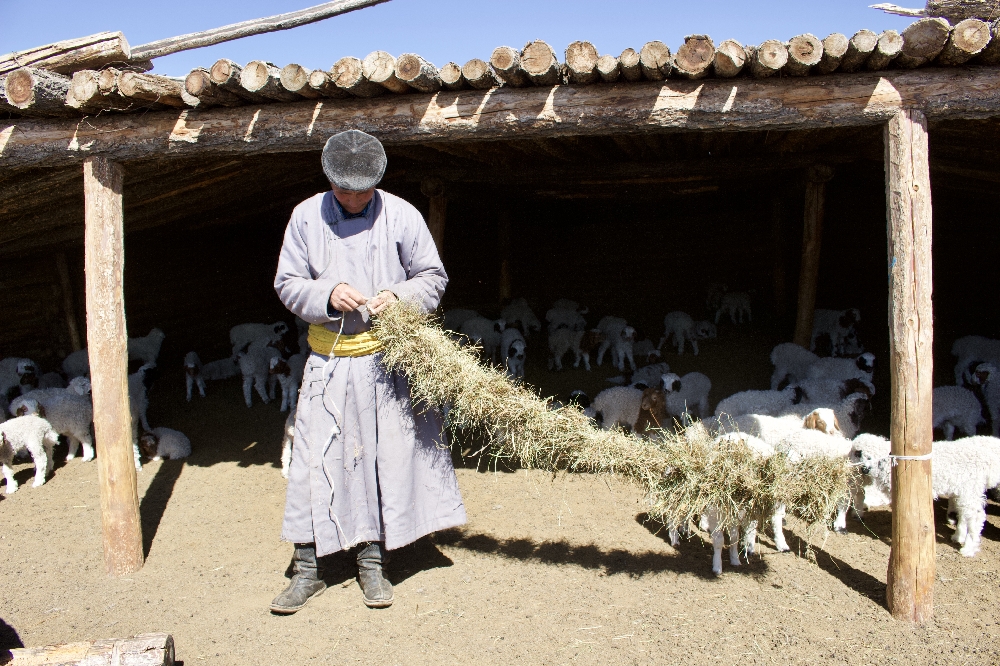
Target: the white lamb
(485, 333)
(791, 364)
(512, 352)
(146, 349)
(192, 374)
(241, 335)
(985, 375)
(962, 471)
(687, 395)
(138, 396)
(736, 304)
(832, 391)
(287, 440)
(862, 367)
(12, 369)
(565, 340)
(618, 337)
(837, 326)
(453, 319)
(288, 373)
(27, 433)
(69, 413)
(518, 313)
(678, 327)
(971, 351)
(956, 408)
(196, 373)
(79, 385)
(618, 405)
(77, 364)
(162, 443)
(565, 318)
(646, 352)
(649, 376)
(850, 412)
(770, 403)
(255, 365)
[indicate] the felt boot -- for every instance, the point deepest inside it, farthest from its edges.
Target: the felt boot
(376, 589)
(306, 581)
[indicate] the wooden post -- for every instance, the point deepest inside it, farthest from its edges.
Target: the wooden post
(503, 243)
(69, 306)
(812, 236)
(910, 579)
(433, 189)
(107, 344)
(779, 276)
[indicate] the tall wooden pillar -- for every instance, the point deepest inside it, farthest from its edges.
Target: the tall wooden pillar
(433, 189)
(503, 247)
(908, 211)
(779, 277)
(107, 344)
(812, 236)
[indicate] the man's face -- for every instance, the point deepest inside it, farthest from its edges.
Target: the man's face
(353, 202)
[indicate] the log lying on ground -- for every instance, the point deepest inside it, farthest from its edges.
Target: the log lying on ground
(923, 41)
(695, 57)
(967, 40)
(581, 63)
(834, 49)
(887, 49)
(730, 58)
(451, 77)
(380, 67)
(539, 62)
(263, 78)
(85, 94)
(608, 68)
(66, 57)
(768, 59)
(152, 88)
(804, 52)
(631, 65)
(506, 62)
(417, 73)
(295, 79)
(38, 92)
(654, 60)
(322, 83)
(479, 74)
(859, 49)
(952, 10)
(142, 650)
(226, 74)
(991, 54)
(199, 84)
(348, 74)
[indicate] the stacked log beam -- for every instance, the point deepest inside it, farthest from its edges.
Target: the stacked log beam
(480, 75)
(380, 67)
(887, 49)
(322, 83)
(654, 60)
(730, 59)
(199, 85)
(263, 78)
(417, 73)
(581, 63)
(226, 75)
(451, 77)
(540, 63)
(152, 88)
(834, 50)
(859, 49)
(694, 59)
(86, 96)
(923, 41)
(348, 75)
(71, 55)
(107, 81)
(6, 106)
(295, 79)
(609, 68)
(804, 53)
(630, 64)
(37, 92)
(768, 59)
(990, 55)
(506, 62)
(967, 40)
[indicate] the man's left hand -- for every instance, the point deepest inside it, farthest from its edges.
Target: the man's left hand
(379, 303)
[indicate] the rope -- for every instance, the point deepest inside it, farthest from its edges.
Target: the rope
(895, 459)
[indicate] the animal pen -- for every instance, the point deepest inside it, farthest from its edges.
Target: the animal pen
(615, 176)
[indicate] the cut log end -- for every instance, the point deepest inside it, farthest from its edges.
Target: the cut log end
(609, 68)
(804, 53)
(768, 59)
(451, 76)
(859, 48)
(348, 75)
(694, 59)
(380, 67)
(730, 59)
(417, 73)
(889, 46)
(967, 40)
(654, 60)
(834, 50)
(923, 41)
(540, 63)
(295, 78)
(581, 62)
(38, 92)
(479, 74)
(629, 63)
(507, 64)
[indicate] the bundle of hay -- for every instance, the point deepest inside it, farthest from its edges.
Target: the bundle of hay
(682, 472)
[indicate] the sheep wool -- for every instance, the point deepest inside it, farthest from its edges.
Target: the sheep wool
(956, 408)
(165, 443)
(27, 433)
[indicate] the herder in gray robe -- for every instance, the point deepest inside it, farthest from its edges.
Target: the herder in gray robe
(368, 472)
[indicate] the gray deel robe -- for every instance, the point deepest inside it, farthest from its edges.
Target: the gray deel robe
(365, 465)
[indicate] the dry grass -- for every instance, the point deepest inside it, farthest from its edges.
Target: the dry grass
(682, 472)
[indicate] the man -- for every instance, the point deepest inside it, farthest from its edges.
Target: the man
(368, 472)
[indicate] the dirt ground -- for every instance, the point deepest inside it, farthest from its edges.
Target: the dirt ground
(546, 571)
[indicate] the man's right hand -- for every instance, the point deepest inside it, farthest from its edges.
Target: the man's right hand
(346, 298)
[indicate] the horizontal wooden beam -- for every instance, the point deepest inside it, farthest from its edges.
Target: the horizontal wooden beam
(727, 105)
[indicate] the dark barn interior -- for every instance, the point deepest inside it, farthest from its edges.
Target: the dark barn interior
(630, 225)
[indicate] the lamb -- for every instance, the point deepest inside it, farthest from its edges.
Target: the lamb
(653, 415)
(79, 385)
(567, 304)
(77, 364)
(196, 374)
(27, 433)
(138, 395)
(862, 367)
(162, 443)
(737, 305)
(564, 318)
(518, 313)
(192, 374)
(686, 395)
(12, 369)
(831, 391)
(485, 333)
(453, 319)
(679, 327)
(956, 408)
(146, 349)
(67, 412)
(241, 335)
(835, 326)
(565, 340)
(983, 375)
(512, 349)
(618, 405)
(287, 440)
(963, 471)
(289, 373)
(971, 351)
(770, 403)
(646, 351)
(649, 376)
(850, 412)
(255, 365)
(791, 364)
(618, 337)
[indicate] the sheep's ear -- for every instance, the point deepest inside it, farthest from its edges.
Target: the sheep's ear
(811, 421)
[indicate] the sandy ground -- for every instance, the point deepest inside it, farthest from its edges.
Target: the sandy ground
(546, 571)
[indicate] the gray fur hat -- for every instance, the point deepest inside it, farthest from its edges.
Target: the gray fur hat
(353, 160)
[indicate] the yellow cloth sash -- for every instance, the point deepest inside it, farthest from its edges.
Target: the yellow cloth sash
(324, 341)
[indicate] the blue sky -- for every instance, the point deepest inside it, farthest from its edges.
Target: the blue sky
(439, 30)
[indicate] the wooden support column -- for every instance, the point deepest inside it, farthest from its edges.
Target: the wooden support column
(503, 247)
(910, 580)
(779, 276)
(812, 236)
(69, 305)
(433, 189)
(108, 350)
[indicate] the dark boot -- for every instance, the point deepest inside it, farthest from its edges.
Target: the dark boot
(377, 590)
(306, 581)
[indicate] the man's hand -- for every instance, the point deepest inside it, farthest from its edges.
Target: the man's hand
(346, 298)
(380, 302)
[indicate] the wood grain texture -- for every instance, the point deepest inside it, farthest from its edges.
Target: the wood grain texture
(812, 241)
(654, 60)
(768, 59)
(859, 49)
(380, 67)
(263, 78)
(609, 68)
(834, 50)
(910, 582)
(418, 73)
(38, 92)
(888, 47)
(295, 79)
(804, 52)
(479, 74)
(506, 62)
(991, 54)
(695, 57)
(539, 62)
(581, 63)
(66, 57)
(322, 83)
(952, 10)
(199, 84)
(107, 344)
(967, 40)
(923, 41)
(142, 650)
(348, 74)
(226, 74)
(152, 88)
(730, 58)
(630, 64)
(451, 76)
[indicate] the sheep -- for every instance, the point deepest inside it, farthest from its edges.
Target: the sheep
(956, 408)
(713, 295)
(453, 319)
(963, 471)
(512, 351)
(518, 313)
(770, 403)
(564, 340)
(138, 387)
(831, 391)
(618, 405)
(567, 304)
(77, 364)
(51, 380)
(850, 412)
(737, 305)
(68, 413)
(983, 375)
(255, 365)
(791, 364)
(146, 349)
(646, 352)
(162, 443)
(649, 376)
(196, 373)
(485, 333)
(287, 440)
(618, 337)
(564, 318)
(27, 433)
(862, 367)
(192, 374)
(971, 351)
(652, 412)
(686, 394)
(288, 373)
(872, 447)
(12, 369)
(241, 335)
(79, 385)
(768, 428)
(836, 326)
(679, 326)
